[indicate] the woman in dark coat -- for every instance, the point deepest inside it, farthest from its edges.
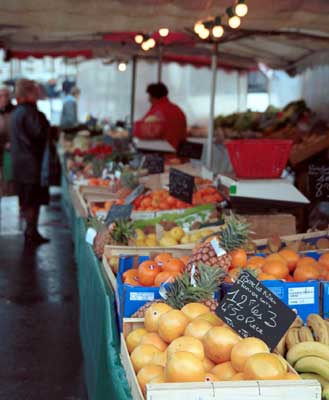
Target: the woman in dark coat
(29, 135)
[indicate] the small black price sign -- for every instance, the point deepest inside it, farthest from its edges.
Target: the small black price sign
(190, 150)
(253, 310)
(118, 212)
(181, 185)
(134, 194)
(319, 181)
(154, 163)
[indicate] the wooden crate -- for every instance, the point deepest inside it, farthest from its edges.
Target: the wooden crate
(246, 390)
(308, 149)
(266, 225)
(300, 236)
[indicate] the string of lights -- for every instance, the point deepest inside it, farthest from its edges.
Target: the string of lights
(147, 42)
(213, 28)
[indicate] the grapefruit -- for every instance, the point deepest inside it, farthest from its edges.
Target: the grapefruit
(142, 355)
(184, 367)
(147, 373)
(224, 371)
(171, 325)
(209, 377)
(198, 328)
(238, 377)
(218, 343)
(155, 339)
(208, 364)
(160, 358)
(263, 366)
(193, 310)
(245, 349)
(186, 343)
(134, 337)
(153, 314)
(211, 317)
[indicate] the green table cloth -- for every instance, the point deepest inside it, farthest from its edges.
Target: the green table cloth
(99, 333)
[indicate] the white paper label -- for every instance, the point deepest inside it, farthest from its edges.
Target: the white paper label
(141, 296)
(90, 235)
(301, 295)
(219, 250)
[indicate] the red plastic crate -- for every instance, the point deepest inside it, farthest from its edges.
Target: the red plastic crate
(259, 158)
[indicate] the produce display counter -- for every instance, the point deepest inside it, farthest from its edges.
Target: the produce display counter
(104, 375)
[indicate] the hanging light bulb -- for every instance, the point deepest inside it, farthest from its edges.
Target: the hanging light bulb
(198, 27)
(241, 9)
(139, 38)
(145, 46)
(164, 32)
(233, 20)
(122, 66)
(217, 30)
(204, 34)
(151, 43)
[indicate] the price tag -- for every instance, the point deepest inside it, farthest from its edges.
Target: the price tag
(319, 181)
(118, 212)
(181, 185)
(253, 310)
(190, 150)
(219, 250)
(90, 235)
(154, 163)
(134, 194)
(301, 296)
(141, 296)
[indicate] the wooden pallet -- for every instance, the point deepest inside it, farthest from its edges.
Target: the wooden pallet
(246, 390)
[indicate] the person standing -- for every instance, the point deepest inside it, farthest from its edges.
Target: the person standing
(164, 120)
(69, 117)
(6, 108)
(29, 136)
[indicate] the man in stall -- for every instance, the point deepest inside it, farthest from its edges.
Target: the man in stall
(164, 120)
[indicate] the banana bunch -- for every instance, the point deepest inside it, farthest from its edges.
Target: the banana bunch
(308, 350)
(315, 330)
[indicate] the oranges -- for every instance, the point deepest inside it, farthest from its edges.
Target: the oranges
(324, 260)
(277, 268)
(163, 269)
(239, 258)
(291, 257)
(306, 272)
(147, 272)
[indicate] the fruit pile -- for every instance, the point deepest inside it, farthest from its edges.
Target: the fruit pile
(194, 345)
(285, 265)
(163, 269)
(160, 200)
(308, 350)
(173, 237)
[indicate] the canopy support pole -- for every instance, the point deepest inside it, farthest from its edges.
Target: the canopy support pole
(211, 127)
(160, 60)
(133, 90)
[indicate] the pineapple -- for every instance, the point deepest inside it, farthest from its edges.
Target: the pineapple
(234, 235)
(182, 292)
(117, 233)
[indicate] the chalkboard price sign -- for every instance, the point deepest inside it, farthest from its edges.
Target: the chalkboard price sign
(118, 212)
(319, 181)
(253, 310)
(190, 150)
(181, 185)
(154, 163)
